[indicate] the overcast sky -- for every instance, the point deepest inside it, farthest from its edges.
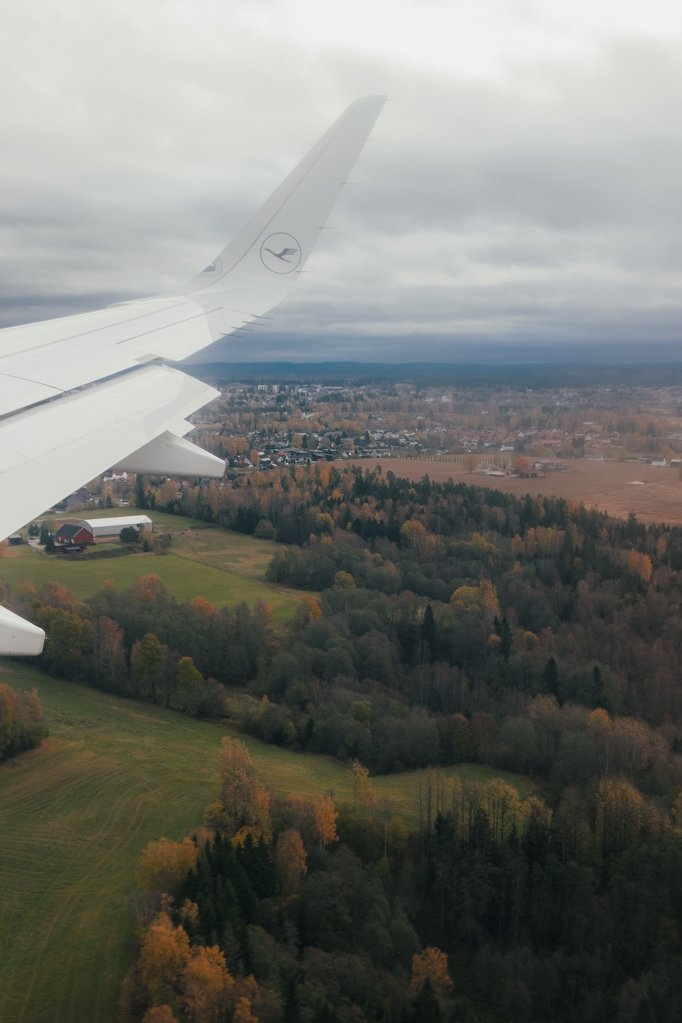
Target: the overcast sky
(523, 190)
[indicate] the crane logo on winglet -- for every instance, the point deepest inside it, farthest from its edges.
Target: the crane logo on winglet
(280, 253)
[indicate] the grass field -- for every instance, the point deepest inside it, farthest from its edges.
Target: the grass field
(222, 566)
(74, 816)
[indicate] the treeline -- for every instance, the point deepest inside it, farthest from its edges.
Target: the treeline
(339, 683)
(570, 914)
(452, 623)
(468, 374)
(572, 601)
(498, 908)
(143, 643)
(22, 724)
(447, 611)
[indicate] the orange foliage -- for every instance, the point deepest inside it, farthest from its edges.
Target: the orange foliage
(159, 1014)
(57, 595)
(165, 864)
(363, 793)
(325, 820)
(480, 599)
(25, 591)
(167, 493)
(621, 813)
(242, 1012)
(207, 986)
(164, 955)
(431, 964)
(308, 611)
(244, 796)
(189, 915)
(189, 983)
(247, 832)
(640, 565)
(203, 607)
(148, 589)
(245, 993)
(290, 860)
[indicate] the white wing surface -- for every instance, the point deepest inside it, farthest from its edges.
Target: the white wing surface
(83, 393)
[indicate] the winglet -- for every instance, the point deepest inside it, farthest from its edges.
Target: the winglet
(259, 266)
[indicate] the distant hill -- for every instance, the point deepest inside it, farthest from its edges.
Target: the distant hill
(473, 374)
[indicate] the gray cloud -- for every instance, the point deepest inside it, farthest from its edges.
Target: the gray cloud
(537, 201)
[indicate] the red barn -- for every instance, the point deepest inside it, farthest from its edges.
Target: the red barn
(71, 536)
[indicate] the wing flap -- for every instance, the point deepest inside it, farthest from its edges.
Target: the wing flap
(173, 456)
(48, 451)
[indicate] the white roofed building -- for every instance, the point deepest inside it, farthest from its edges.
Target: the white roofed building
(113, 526)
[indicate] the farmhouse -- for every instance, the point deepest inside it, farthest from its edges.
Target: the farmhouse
(73, 534)
(107, 528)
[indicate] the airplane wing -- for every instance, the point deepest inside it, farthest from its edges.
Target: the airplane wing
(82, 393)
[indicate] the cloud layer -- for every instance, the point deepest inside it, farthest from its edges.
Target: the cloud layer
(523, 189)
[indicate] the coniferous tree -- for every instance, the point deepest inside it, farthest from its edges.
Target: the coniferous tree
(429, 633)
(425, 1008)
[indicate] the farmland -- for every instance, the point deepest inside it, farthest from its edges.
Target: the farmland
(652, 493)
(221, 566)
(74, 816)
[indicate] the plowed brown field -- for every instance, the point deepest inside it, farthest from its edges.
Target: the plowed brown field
(653, 493)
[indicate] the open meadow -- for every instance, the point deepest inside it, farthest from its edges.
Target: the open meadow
(203, 561)
(76, 813)
(653, 493)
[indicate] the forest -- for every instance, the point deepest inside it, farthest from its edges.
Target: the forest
(499, 908)
(439, 624)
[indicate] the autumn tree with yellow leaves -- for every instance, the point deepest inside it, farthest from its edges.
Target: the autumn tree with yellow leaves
(325, 816)
(245, 798)
(290, 861)
(192, 983)
(430, 965)
(165, 864)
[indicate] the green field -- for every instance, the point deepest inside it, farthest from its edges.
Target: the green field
(222, 566)
(74, 816)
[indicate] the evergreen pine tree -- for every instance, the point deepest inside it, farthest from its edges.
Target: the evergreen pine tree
(550, 678)
(425, 1008)
(428, 632)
